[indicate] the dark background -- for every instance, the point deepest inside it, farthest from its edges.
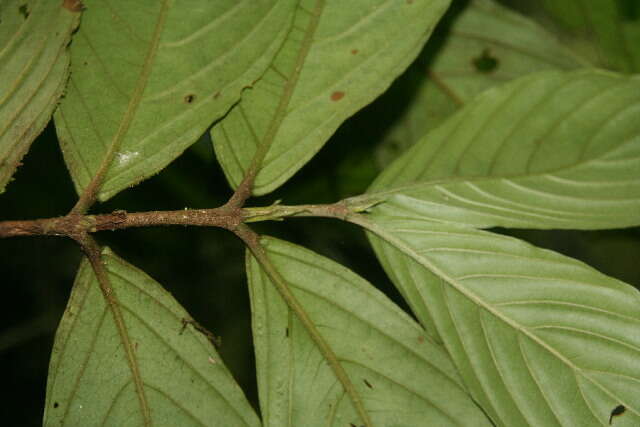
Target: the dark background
(203, 268)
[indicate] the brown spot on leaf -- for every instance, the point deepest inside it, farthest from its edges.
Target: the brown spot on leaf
(216, 95)
(367, 383)
(189, 98)
(337, 96)
(409, 1)
(420, 339)
(73, 5)
(354, 51)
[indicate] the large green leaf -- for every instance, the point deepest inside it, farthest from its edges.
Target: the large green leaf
(481, 46)
(34, 66)
(148, 78)
(399, 376)
(550, 150)
(608, 31)
(164, 374)
(540, 339)
(338, 56)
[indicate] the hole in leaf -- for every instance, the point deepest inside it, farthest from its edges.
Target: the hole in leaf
(485, 63)
(618, 410)
(55, 404)
(189, 98)
(24, 11)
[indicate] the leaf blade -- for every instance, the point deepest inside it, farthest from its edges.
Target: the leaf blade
(34, 67)
(383, 352)
(333, 63)
(550, 150)
(142, 88)
(184, 379)
(482, 45)
(539, 338)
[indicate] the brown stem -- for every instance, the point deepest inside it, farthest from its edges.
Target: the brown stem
(74, 225)
(228, 217)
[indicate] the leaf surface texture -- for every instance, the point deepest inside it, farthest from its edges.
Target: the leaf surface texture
(400, 376)
(184, 381)
(549, 150)
(337, 57)
(34, 67)
(540, 339)
(149, 78)
(473, 49)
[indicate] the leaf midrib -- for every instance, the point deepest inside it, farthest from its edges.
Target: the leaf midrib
(289, 88)
(129, 114)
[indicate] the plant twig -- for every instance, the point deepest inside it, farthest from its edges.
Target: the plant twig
(226, 217)
(71, 225)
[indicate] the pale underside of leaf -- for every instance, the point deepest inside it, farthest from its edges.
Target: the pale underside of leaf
(401, 377)
(147, 80)
(485, 45)
(34, 66)
(336, 59)
(550, 150)
(91, 382)
(540, 339)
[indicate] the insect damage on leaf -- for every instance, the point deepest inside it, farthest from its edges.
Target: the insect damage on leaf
(618, 410)
(24, 11)
(485, 63)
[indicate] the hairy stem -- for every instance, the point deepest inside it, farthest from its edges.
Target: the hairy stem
(227, 217)
(70, 225)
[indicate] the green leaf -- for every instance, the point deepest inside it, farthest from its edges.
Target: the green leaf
(399, 376)
(540, 339)
(483, 45)
(338, 56)
(550, 150)
(34, 66)
(149, 78)
(177, 377)
(606, 30)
